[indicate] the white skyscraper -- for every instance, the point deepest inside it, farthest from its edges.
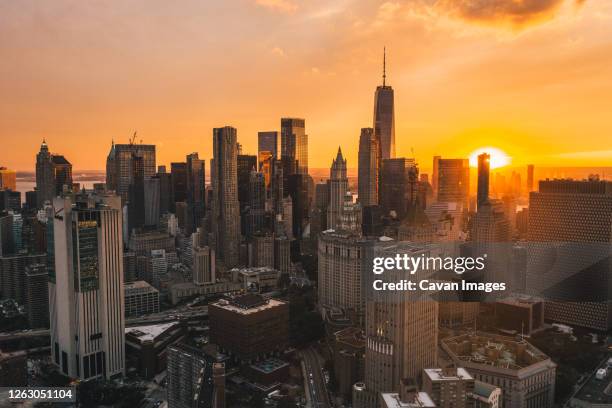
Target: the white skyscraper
(86, 287)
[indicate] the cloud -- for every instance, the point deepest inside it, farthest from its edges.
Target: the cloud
(278, 51)
(516, 13)
(285, 6)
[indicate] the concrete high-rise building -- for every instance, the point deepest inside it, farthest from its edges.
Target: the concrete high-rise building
(449, 387)
(294, 143)
(249, 327)
(282, 254)
(367, 184)
(342, 259)
(453, 181)
(337, 190)
(484, 165)
(568, 251)
(225, 205)
(267, 142)
(119, 166)
(190, 377)
(140, 299)
(203, 265)
(86, 289)
(525, 375)
(401, 330)
(384, 117)
(8, 179)
(53, 175)
(262, 250)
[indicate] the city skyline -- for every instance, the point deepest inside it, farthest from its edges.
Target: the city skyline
(466, 82)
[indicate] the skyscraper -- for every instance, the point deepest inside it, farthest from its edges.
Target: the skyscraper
(367, 184)
(337, 190)
(257, 203)
(195, 190)
(435, 174)
(568, 250)
(401, 329)
(342, 263)
(267, 142)
(53, 175)
(86, 288)
(294, 143)
(119, 166)
(395, 193)
(483, 179)
(453, 180)
(384, 117)
(136, 194)
(178, 175)
(530, 169)
(225, 206)
(8, 179)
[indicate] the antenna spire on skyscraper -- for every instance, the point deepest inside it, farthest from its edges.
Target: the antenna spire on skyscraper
(384, 65)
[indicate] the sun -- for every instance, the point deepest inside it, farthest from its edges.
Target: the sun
(498, 157)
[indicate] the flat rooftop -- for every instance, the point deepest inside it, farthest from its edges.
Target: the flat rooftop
(453, 374)
(248, 304)
(392, 400)
(150, 332)
(138, 285)
(269, 365)
(493, 350)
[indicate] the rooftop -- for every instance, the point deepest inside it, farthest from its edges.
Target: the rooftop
(138, 285)
(248, 304)
(452, 374)
(269, 365)
(493, 350)
(392, 400)
(151, 332)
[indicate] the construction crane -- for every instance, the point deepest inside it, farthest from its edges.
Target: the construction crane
(133, 138)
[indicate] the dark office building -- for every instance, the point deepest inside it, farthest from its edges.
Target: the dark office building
(178, 173)
(395, 195)
(119, 166)
(10, 200)
(166, 195)
(483, 179)
(249, 326)
(372, 221)
(294, 143)
(298, 191)
(136, 195)
(37, 296)
(195, 190)
(268, 142)
(257, 203)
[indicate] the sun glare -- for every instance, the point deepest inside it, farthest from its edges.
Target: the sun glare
(498, 157)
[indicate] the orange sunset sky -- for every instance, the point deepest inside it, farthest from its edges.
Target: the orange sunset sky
(530, 77)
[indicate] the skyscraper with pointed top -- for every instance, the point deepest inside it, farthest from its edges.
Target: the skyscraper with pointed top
(384, 116)
(337, 190)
